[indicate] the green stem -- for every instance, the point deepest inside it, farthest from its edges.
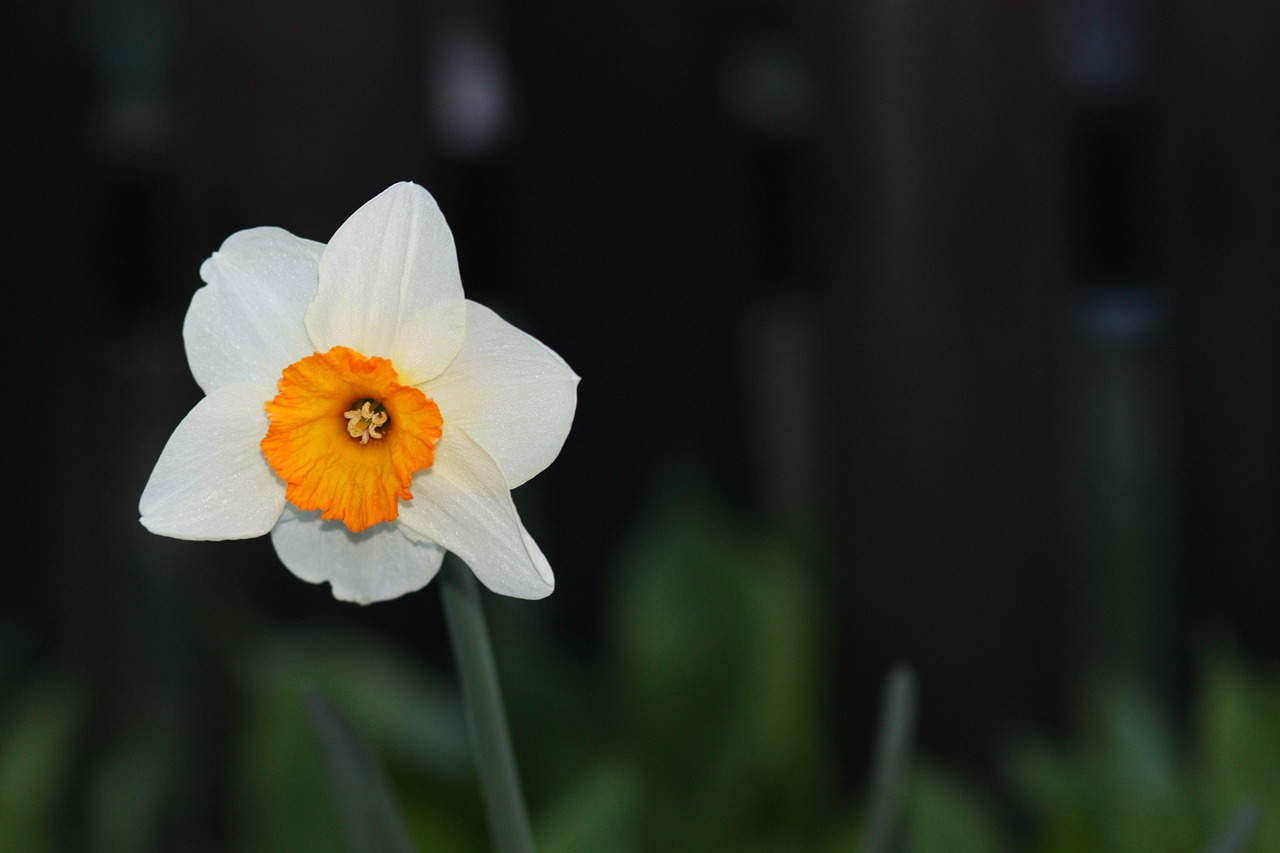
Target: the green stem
(482, 702)
(893, 754)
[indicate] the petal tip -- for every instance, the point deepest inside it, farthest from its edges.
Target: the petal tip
(544, 592)
(407, 188)
(526, 588)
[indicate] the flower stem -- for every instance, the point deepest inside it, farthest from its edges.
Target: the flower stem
(482, 703)
(893, 755)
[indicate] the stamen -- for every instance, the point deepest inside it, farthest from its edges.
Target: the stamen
(363, 421)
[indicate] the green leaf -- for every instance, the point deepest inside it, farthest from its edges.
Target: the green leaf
(600, 810)
(403, 711)
(40, 729)
(282, 800)
(1234, 837)
(1238, 745)
(281, 796)
(128, 790)
(946, 815)
(716, 661)
(361, 792)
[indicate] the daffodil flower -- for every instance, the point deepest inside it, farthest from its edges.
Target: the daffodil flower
(360, 410)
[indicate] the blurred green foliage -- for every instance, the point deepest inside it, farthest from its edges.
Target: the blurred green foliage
(697, 725)
(283, 799)
(41, 724)
(1129, 782)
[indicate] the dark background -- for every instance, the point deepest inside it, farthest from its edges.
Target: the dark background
(982, 296)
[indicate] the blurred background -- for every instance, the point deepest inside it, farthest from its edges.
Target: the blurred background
(932, 332)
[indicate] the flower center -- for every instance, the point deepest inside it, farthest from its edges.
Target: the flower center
(364, 420)
(327, 399)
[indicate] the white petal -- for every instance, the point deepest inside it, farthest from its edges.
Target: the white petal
(510, 393)
(389, 285)
(386, 561)
(212, 481)
(462, 502)
(246, 324)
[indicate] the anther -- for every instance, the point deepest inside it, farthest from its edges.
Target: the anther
(364, 420)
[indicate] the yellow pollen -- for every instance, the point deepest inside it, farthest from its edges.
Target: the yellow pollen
(364, 420)
(313, 421)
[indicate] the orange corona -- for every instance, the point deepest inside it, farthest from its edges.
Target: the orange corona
(347, 438)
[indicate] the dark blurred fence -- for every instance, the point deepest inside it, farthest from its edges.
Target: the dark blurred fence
(856, 259)
(1012, 208)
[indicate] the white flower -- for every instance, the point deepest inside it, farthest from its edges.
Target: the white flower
(360, 410)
